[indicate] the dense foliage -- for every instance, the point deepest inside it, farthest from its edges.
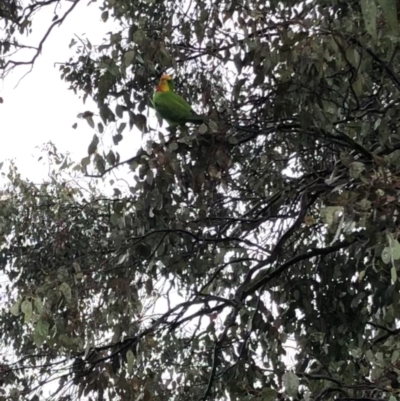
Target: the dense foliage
(252, 257)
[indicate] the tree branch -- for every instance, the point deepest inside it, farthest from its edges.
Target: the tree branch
(43, 40)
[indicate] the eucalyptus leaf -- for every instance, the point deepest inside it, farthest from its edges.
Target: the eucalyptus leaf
(291, 383)
(26, 309)
(130, 357)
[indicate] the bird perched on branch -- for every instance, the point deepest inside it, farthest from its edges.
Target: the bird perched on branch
(171, 106)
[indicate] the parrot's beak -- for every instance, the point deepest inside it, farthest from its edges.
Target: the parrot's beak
(166, 77)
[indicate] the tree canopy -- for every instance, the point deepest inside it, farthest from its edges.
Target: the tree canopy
(253, 257)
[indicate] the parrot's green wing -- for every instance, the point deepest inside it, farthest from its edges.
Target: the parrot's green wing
(175, 109)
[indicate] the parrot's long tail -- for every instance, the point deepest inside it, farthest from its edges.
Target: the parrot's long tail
(196, 119)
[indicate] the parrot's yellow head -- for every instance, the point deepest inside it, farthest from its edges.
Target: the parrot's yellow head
(163, 84)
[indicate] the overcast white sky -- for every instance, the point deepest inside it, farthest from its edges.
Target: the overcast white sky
(41, 108)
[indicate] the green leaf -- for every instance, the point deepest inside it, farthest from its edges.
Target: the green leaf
(90, 121)
(15, 394)
(114, 70)
(130, 358)
(199, 31)
(173, 146)
(100, 163)
(111, 159)
(93, 145)
(66, 291)
(395, 245)
(395, 356)
(38, 305)
(389, 8)
(41, 332)
(42, 326)
(291, 383)
(203, 129)
(128, 57)
(115, 38)
(369, 12)
(238, 63)
(386, 255)
(119, 111)
(27, 310)
(85, 162)
(140, 121)
(213, 126)
(138, 37)
(355, 169)
(361, 275)
(117, 139)
(72, 43)
(330, 214)
(104, 16)
(393, 274)
(149, 286)
(105, 84)
(14, 310)
(106, 114)
(120, 129)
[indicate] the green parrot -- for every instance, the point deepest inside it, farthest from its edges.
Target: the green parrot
(172, 107)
